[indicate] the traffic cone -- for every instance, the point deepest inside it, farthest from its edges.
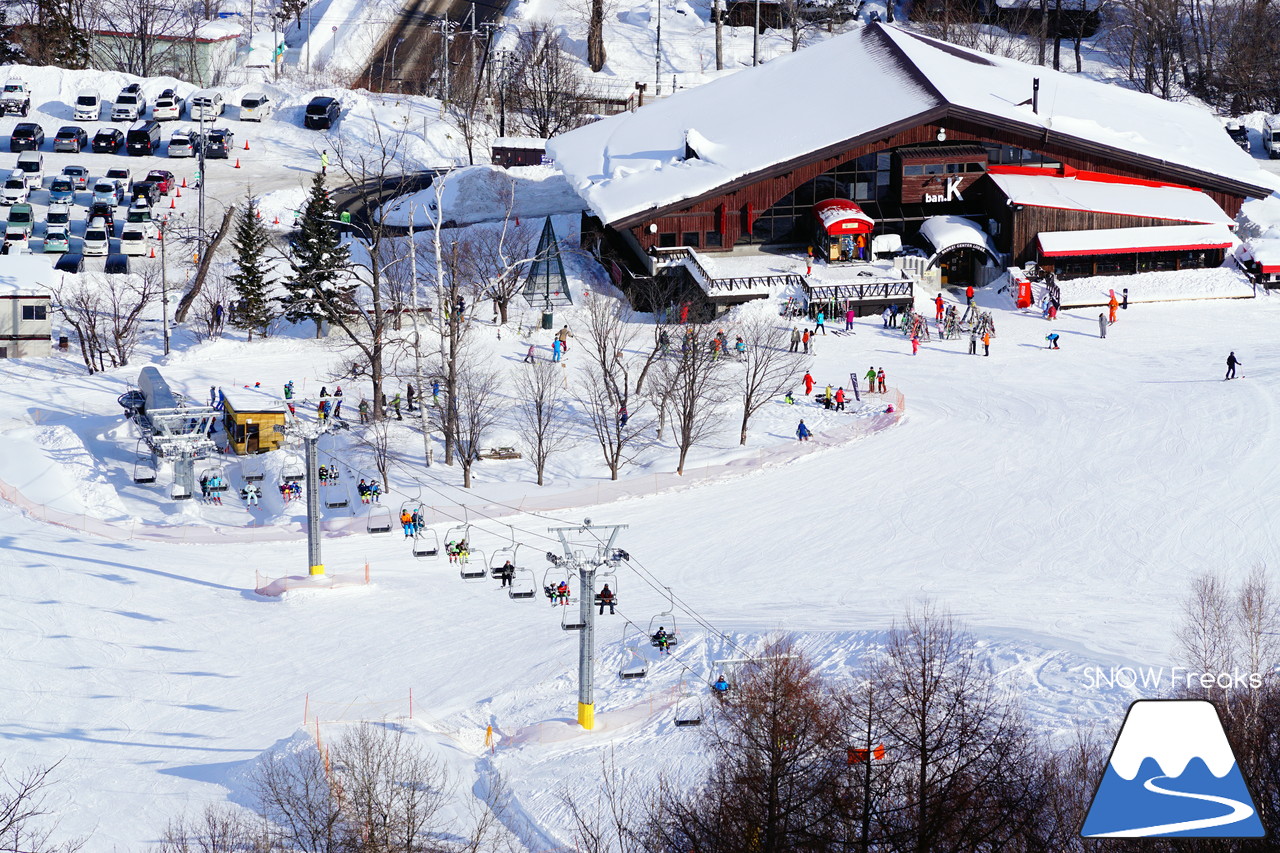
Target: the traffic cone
(276, 221)
(179, 192)
(184, 183)
(153, 251)
(259, 214)
(172, 204)
(246, 145)
(237, 163)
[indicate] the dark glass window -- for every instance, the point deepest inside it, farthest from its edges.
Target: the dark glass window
(33, 312)
(714, 239)
(666, 241)
(913, 171)
(691, 238)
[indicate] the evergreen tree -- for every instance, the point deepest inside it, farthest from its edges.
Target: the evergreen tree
(55, 37)
(252, 279)
(319, 287)
(11, 50)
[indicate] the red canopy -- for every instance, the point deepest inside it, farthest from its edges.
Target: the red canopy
(841, 216)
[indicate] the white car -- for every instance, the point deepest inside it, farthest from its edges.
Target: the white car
(168, 106)
(133, 241)
(15, 191)
(97, 240)
(105, 191)
(59, 214)
(255, 106)
(88, 105)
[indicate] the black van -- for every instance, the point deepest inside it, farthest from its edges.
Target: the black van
(321, 113)
(143, 138)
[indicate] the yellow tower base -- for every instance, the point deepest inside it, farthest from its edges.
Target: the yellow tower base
(586, 716)
(317, 570)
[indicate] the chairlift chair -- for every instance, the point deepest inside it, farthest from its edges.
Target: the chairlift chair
(458, 533)
(473, 568)
(688, 708)
(426, 543)
(636, 666)
(252, 472)
(179, 492)
(378, 519)
(336, 498)
(210, 476)
(662, 620)
(292, 472)
(571, 616)
(500, 558)
(522, 585)
(144, 465)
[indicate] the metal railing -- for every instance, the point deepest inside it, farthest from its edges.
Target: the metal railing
(688, 258)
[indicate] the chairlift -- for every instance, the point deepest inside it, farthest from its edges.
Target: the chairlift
(144, 465)
(661, 621)
(378, 519)
(458, 533)
(252, 472)
(636, 666)
(522, 585)
(503, 554)
(571, 616)
(609, 578)
(293, 471)
(179, 492)
(472, 567)
(426, 543)
(214, 479)
(688, 708)
(336, 498)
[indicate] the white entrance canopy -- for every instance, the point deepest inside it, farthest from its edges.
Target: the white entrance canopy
(948, 233)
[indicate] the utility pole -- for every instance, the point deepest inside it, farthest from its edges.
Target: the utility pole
(755, 38)
(586, 569)
(657, 57)
(164, 282)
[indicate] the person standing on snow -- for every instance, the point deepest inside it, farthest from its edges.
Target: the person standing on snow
(435, 393)
(938, 302)
(408, 397)
(1052, 338)
(821, 324)
(848, 320)
(563, 336)
(802, 432)
(324, 162)
(528, 356)
(915, 344)
(880, 380)
(364, 411)
(804, 339)
(885, 316)
(395, 404)
(986, 343)
(840, 400)
(973, 342)
(1232, 361)
(871, 380)
(1113, 305)
(1102, 325)
(826, 398)
(555, 349)
(808, 384)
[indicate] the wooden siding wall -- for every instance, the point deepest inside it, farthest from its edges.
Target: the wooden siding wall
(762, 194)
(1030, 221)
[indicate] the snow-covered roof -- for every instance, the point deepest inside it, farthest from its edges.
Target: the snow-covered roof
(843, 213)
(1266, 253)
(954, 232)
(1153, 238)
(633, 162)
(536, 143)
(1174, 203)
(244, 399)
(25, 275)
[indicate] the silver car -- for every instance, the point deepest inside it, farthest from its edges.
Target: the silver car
(183, 143)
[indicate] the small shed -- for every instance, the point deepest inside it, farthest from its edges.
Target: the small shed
(508, 151)
(254, 419)
(26, 318)
(843, 230)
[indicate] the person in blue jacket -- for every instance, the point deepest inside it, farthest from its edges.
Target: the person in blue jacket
(821, 324)
(721, 686)
(802, 432)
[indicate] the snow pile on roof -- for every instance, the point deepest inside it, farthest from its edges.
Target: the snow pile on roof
(25, 274)
(484, 193)
(1183, 205)
(630, 162)
(219, 29)
(1155, 238)
(1216, 283)
(838, 210)
(534, 142)
(249, 399)
(954, 232)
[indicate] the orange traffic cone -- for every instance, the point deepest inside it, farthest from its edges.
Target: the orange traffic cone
(259, 214)
(184, 182)
(153, 251)
(179, 192)
(237, 163)
(276, 221)
(246, 145)
(172, 205)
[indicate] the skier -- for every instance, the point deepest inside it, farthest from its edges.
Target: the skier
(661, 639)
(740, 349)
(562, 593)
(986, 343)
(938, 304)
(808, 383)
(323, 474)
(802, 432)
(337, 405)
(324, 392)
(406, 521)
(821, 324)
(848, 320)
(1052, 338)
(555, 350)
(362, 489)
(507, 573)
(375, 491)
(563, 335)
(204, 481)
(364, 411)
(880, 380)
(251, 494)
(528, 356)
(839, 399)
(213, 396)
(606, 598)
(1232, 361)
(1102, 325)
(871, 380)
(288, 390)
(1044, 306)
(721, 686)
(973, 342)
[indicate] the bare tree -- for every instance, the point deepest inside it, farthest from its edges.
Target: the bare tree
(105, 312)
(611, 818)
(205, 264)
(79, 306)
(209, 309)
(295, 797)
(690, 382)
(492, 255)
(769, 366)
(542, 416)
(391, 792)
(547, 86)
(475, 412)
(616, 411)
(24, 804)
(376, 439)
(218, 829)
(158, 34)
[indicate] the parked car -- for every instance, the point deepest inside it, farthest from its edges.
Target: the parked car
(107, 192)
(59, 214)
(133, 241)
(31, 165)
(321, 113)
(62, 190)
(162, 178)
(79, 176)
(130, 104)
(145, 191)
(97, 239)
(218, 143)
(206, 103)
(57, 239)
(139, 216)
(117, 264)
(71, 137)
(105, 212)
(123, 177)
(255, 106)
(14, 190)
(1239, 134)
(168, 106)
(72, 262)
(26, 136)
(88, 105)
(143, 138)
(183, 143)
(21, 218)
(107, 141)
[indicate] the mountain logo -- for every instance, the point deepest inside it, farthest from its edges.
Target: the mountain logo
(1172, 774)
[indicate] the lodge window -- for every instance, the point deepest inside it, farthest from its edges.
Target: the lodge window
(1110, 265)
(714, 239)
(691, 238)
(1075, 269)
(33, 312)
(666, 240)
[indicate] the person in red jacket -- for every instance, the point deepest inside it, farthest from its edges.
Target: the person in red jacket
(840, 400)
(938, 302)
(808, 384)
(968, 294)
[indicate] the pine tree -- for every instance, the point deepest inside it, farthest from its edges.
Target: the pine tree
(54, 38)
(252, 279)
(318, 289)
(11, 50)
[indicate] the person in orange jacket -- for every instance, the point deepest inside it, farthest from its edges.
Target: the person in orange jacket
(808, 384)
(986, 343)
(938, 303)
(1113, 305)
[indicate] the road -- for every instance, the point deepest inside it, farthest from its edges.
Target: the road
(359, 199)
(409, 57)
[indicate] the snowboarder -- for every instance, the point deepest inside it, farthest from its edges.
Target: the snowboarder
(1232, 361)
(821, 324)
(871, 380)
(528, 356)
(606, 598)
(973, 342)
(1102, 325)
(363, 408)
(808, 383)
(986, 343)
(802, 432)
(839, 399)
(362, 489)
(1052, 338)
(790, 399)
(938, 304)
(880, 381)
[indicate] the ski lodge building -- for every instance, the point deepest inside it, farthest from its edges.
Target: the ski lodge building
(934, 162)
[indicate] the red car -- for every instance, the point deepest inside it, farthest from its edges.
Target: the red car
(162, 178)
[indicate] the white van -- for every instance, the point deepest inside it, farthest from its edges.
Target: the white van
(133, 241)
(205, 104)
(255, 106)
(96, 239)
(88, 105)
(31, 165)
(1271, 136)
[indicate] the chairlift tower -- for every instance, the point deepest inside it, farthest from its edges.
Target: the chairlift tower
(310, 435)
(577, 561)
